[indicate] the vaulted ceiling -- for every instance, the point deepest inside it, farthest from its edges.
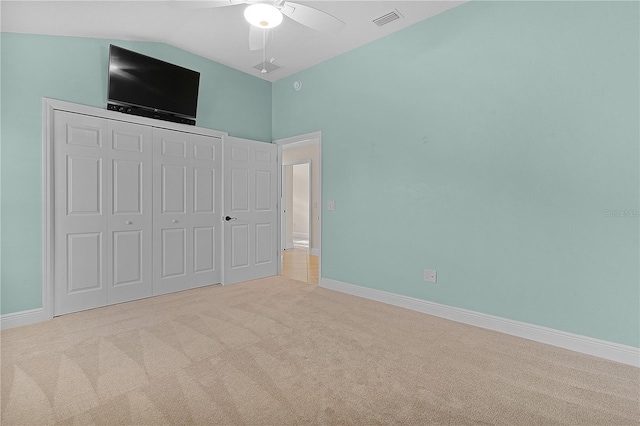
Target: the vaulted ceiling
(217, 33)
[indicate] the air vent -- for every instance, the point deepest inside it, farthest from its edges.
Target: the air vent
(266, 65)
(389, 17)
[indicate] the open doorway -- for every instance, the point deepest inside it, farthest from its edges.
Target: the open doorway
(296, 203)
(297, 261)
(300, 192)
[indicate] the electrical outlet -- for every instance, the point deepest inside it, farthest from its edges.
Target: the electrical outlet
(430, 275)
(331, 205)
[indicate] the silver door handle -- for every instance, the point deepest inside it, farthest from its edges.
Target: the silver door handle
(128, 222)
(229, 218)
(174, 221)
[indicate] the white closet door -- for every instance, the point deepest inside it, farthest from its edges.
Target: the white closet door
(187, 216)
(172, 194)
(129, 219)
(205, 210)
(137, 211)
(80, 211)
(250, 194)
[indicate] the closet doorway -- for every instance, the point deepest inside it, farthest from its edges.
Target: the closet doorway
(300, 208)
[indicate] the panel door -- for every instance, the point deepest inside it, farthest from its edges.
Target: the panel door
(250, 194)
(205, 221)
(129, 217)
(172, 196)
(80, 212)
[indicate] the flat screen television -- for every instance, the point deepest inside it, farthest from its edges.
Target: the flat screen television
(141, 85)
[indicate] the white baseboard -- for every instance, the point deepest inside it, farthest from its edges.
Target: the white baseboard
(315, 252)
(18, 319)
(575, 342)
(288, 246)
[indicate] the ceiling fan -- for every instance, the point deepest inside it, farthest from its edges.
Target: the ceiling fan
(266, 14)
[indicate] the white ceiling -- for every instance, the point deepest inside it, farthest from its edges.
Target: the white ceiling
(219, 34)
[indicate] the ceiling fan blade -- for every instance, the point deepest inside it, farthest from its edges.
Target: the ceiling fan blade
(256, 37)
(206, 4)
(313, 18)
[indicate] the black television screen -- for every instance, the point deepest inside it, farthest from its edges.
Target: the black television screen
(141, 81)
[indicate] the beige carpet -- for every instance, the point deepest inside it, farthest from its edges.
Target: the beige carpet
(281, 352)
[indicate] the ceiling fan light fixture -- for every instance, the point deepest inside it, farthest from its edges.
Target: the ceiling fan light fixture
(263, 15)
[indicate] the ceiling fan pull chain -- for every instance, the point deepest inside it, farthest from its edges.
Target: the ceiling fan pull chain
(264, 49)
(273, 45)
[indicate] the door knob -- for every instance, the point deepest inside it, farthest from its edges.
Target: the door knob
(174, 221)
(228, 218)
(128, 222)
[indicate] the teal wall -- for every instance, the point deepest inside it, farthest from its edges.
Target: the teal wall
(497, 143)
(75, 70)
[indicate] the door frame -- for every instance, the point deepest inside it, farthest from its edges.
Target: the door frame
(45, 312)
(312, 138)
(283, 200)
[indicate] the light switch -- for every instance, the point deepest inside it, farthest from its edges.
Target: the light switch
(331, 205)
